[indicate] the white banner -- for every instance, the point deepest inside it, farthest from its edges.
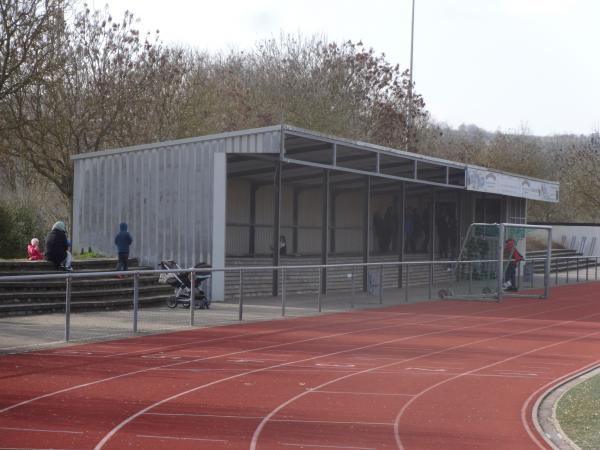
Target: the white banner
(482, 180)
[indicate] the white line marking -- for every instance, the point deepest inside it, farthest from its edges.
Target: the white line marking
(544, 389)
(243, 361)
(359, 393)
(261, 426)
(325, 446)
(424, 369)
(30, 448)
(347, 366)
(520, 355)
(282, 420)
(39, 430)
(516, 374)
(112, 432)
(147, 369)
(151, 436)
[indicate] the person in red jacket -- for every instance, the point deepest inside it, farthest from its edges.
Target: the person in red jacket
(513, 257)
(33, 250)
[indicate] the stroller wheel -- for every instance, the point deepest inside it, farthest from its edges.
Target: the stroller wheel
(486, 290)
(442, 294)
(172, 302)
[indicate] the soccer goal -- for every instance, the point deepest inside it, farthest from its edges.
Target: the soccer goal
(501, 260)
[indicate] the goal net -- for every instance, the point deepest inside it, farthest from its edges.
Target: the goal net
(501, 260)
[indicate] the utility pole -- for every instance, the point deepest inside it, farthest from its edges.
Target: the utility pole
(410, 88)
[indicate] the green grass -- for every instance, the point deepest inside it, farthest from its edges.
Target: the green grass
(90, 255)
(578, 413)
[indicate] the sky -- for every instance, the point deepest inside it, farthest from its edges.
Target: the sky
(507, 65)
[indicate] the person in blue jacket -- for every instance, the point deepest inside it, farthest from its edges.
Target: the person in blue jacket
(123, 240)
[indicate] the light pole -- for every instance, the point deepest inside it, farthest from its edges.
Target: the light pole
(410, 87)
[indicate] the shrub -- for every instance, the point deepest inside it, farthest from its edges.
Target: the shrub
(18, 224)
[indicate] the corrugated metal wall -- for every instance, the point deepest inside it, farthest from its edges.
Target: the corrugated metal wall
(163, 191)
(165, 195)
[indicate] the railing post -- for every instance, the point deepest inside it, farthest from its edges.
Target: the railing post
(406, 286)
(241, 304)
(192, 296)
(556, 274)
(587, 270)
(319, 290)
(470, 277)
(429, 287)
(282, 291)
(568, 261)
(136, 300)
(577, 262)
(68, 308)
(381, 285)
(596, 269)
(500, 268)
(353, 285)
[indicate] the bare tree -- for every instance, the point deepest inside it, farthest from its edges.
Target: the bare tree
(29, 32)
(106, 71)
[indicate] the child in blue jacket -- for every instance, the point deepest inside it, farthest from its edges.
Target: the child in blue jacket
(123, 240)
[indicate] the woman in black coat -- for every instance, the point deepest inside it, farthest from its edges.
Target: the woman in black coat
(57, 247)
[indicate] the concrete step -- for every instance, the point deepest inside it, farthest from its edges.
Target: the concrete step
(78, 306)
(81, 295)
(91, 283)
(10, 266)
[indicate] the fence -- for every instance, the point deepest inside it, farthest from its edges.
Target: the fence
(303, 290)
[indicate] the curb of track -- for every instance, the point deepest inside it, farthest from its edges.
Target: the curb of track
(544, 411)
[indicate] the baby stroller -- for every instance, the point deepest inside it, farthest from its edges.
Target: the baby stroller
(181, 282)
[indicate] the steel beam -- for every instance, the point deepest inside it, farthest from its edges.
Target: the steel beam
(325, 230)
(277, 184)
(366, 229)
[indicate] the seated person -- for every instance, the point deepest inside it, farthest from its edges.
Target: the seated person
(57, 247)
(33, 250)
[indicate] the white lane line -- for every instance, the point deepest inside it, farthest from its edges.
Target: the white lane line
(424, 369)
(325, 446)
(177, 438)
(223, 355)
(385, 316)
(31, 448)
(282, 420)
(487, 366)
(40, 430)
(540, 394)
(343, 366)
(258, 430)
(116, 429)
(359, 393)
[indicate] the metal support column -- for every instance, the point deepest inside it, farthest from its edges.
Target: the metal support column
(276, 223)
(402, 240)
(432, 232)
(295, 208)
(252, 230)
(547, 265)
(366, 230)
(325, 197)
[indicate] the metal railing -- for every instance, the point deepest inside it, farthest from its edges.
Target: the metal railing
(458, 279)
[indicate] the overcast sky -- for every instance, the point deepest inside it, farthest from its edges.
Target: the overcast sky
(498, 64)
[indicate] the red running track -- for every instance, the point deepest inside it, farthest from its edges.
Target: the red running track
(438, 375)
